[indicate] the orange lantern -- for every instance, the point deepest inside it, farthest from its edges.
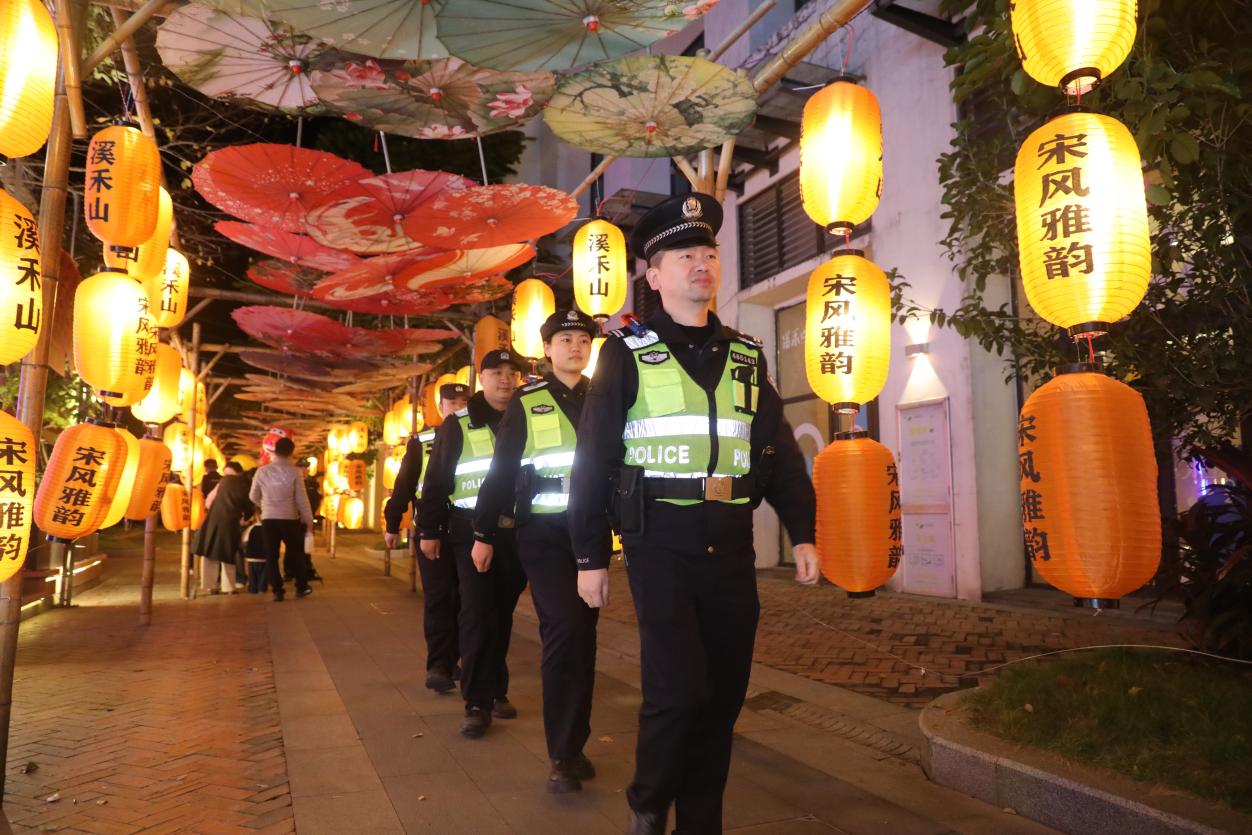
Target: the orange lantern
(161, 402)
(168, 290)
(175, 508)
(490, 334)
(351, 513)
(462, 375)
(391, 427)
(195, 516)
(841, 156)
(151, 479)
(600, 271)
(1082, 222)
(1072, 45)
(121, 197)
(391, 467)
(21, 291)
(187, 384)
(1088, 487)
(126, 484)
(354, 470)
(430, 405)
(146, 262)
(358, 437)
(80, 480)
(177, 436)
(847, 340)
(533, 302)
(17, 493)
(859, 535)
(28, 69)
(114, 340)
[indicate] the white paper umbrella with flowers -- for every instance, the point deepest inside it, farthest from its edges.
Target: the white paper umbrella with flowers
(368, 217)
(446, 99)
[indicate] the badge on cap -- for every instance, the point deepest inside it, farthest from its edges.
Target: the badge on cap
(504, 355)
(572, 315)
(692, 208)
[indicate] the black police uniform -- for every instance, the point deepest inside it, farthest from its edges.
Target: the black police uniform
(485, 623)
(692, 568)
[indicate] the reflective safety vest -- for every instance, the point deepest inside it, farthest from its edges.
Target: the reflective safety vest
(477, 445)
(427, 441)
(676, 429)
(550, 440)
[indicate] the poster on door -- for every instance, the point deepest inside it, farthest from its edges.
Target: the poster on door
(925, 454)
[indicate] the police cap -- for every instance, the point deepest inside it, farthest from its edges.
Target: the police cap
(687, 220)
(568, 320)
(494, 359)
(454, 391)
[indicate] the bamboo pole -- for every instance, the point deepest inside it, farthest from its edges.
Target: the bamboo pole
(742, 29)
(596, 173)
(126, 27)
(185, 586)
(688, 171)
(149, 555)
(805, 41)
(724, 166)
(414, 552)
(69, 66)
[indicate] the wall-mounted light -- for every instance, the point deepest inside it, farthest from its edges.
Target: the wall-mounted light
(916, 348)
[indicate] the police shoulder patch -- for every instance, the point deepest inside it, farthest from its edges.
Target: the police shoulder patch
(750, 340)
(542, 408)
(654, 357)
(535, 386)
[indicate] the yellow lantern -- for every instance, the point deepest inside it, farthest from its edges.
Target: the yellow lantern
(351, 513)
(161, 402)
(1072, 45)
(600, 271)
(533, 302)
(391, 467)
(1082, 222)
(490, 334)
(146, 262)
(462, 375)
(310, 464)
(126, 484)
(121, 193)
(847, 340)
(354, 472)
(1088, 487)
(21, 289)
(175, 508)
(859, 534)
(358, 437)
(115, 344)
(187, 384)
(249, 462)
(28, 69)
(391, 427)
(430, 405)
(17, 493)
(177, 436)
(168, 290)
(79, 482)
(195, 515)
(841, 156)
(151, 479)
(596, 345)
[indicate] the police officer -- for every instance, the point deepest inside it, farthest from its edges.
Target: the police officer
(530, 471)
(682, 428)
(456, 469)
(440, 599)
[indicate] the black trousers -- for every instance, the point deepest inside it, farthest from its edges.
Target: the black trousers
(441, 601)
(485, 622)
(697, 614)
(567, 628)
(288, 533)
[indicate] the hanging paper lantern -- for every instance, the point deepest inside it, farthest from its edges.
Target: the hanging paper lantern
(17, 493)
(161, 402)
(1072, 45)
(115, 343)
(391, 467)
(151, 479)
(248, 462)
(195, 516)
(354, 471)
(490, 334)
(168, 290)
(146, 262)
(175, 508)
(352, 513)
(841, 156)
(123, 180)
(1082, 222)
(310, 465)
(126, 484)
(430, 405)
(28, 69)
(358, 437)
(79, 482)
(177, 436)
(847, 340)
(21, 288)
(1088, 487)
(187, 384)
(600, 271)
(391, 427)
(462, 375)
(596, 345)
(533, 302)
(859, 534)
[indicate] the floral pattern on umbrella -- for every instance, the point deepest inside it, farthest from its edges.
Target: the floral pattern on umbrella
(367, 217)
(651, 106)
(491, 216)
(298, 249)
(485, 288)
(284, 277)
(446, 99)
(470, 264)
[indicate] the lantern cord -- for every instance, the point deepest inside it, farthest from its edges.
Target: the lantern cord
(847, 53)
(482, 159)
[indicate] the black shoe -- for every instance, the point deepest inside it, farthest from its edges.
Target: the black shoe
(304, 592)
(503, 709)
(475, 723)
(316, 576)
(582, 768)
(646, 823)
(439, 681)
(562, 780)
(278, 596)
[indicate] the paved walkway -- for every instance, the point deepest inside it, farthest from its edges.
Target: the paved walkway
(234, 714)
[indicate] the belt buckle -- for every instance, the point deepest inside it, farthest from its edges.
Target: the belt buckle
(718, 488)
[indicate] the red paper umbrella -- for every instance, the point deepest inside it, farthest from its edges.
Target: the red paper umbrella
(429, 334)
(288, 364)
(470, 264)
(298, 249)
(366, 217)
(365, 342)
(471, 291)
(394, 303)
(284, 277)
(274, 185)
(488, 216)
(384, 273)
(283, 327)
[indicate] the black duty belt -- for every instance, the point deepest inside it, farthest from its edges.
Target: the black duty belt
(710, 488)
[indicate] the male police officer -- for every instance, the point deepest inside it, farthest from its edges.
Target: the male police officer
(440, 599)
(530, 470)
(682, 420)
(458, 463)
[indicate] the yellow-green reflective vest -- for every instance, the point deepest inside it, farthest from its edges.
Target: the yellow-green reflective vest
(676, 429)
(477, 445)
(550, 441)
(427, 441)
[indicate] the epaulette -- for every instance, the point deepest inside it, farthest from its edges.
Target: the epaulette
(751, 340)
(634, 343)
(535, 386)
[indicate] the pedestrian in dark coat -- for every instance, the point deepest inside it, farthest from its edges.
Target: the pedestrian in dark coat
(219, 537)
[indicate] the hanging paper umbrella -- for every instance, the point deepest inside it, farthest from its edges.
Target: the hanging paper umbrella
(429, 334)
(270, 184)
(558, 34)
(476, 290)
(491, 216)
(284, 277)
(247, 59)
(366, 342)
(289, 364)
(367, 217)
(298, 249)
(469, 264)
(381, 274)
(651, 106)
(392, 302)
(447, 99)
(283, 327)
